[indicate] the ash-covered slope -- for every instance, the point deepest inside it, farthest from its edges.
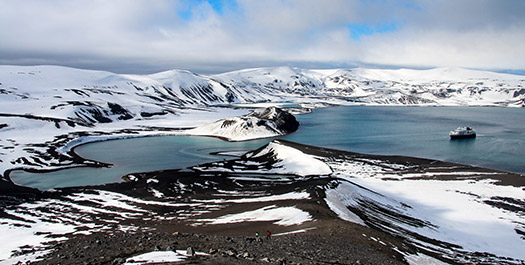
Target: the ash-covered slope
(455, 213)
(261, 123)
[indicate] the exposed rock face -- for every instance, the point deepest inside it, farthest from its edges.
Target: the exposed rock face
(282, 120)
(261, 123)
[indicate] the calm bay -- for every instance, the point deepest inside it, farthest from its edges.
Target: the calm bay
(385, 130)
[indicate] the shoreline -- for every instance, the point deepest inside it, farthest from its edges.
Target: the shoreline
(86, 137)
(81, 162)
(194, 207)
(72, 157)
(158, 191)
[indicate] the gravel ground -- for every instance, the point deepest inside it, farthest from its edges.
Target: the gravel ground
(328, 239)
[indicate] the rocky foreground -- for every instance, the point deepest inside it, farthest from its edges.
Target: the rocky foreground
(327, 240)
(110, 232)
(322, 206)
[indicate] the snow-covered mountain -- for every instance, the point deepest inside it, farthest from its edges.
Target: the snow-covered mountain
(440, 86)
(42, 108)
(45, 111)
(89, 97)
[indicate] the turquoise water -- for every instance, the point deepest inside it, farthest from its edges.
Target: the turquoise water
(133, 155)
(409, 131)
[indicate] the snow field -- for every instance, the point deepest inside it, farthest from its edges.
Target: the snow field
(293, 161)
(453, 211)
(285, 216)
(155, 257)
(37, 223)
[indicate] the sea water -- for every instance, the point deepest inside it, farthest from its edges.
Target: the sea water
(421, 132)
(386, 130)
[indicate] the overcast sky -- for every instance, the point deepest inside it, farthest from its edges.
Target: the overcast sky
(206, 36)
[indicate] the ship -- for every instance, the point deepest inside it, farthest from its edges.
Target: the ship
(462, 132)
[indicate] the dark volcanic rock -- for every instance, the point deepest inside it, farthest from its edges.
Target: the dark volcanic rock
(261, 123)
(284, 121)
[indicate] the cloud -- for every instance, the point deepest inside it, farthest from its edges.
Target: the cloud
(468, 33)
(490, 49)
(218, 35)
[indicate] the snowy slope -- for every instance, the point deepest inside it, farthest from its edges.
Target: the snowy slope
(261, 123)
(62, 103)
(440, 86)
(460, 213)
(91, 97)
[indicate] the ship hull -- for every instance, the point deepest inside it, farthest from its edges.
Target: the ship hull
(463, 136)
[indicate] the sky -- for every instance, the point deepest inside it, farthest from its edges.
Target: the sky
(212, 36)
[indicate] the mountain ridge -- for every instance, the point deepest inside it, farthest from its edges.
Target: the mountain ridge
(92, 97)
(62, 103)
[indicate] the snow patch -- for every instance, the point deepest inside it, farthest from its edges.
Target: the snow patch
(285, 216)
(292, 161)
(422, 259)
(295, 232)
(160, 257)
(280, 197)
(261, 123)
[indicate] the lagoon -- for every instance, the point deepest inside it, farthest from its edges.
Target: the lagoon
(133, 155)
(385, 130)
